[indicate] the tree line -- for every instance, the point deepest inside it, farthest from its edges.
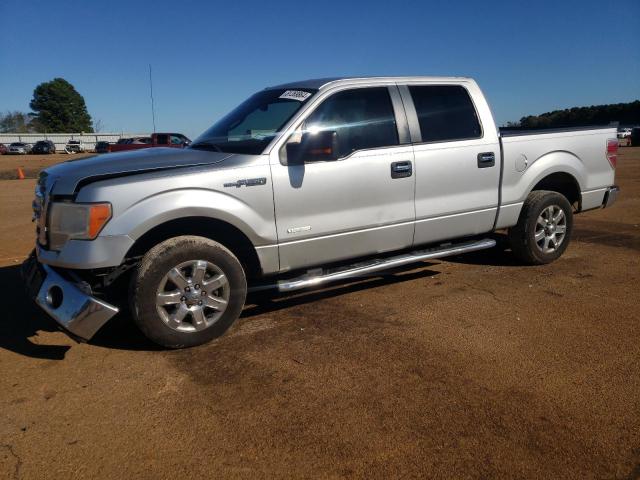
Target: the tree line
(57, 107)
(621, 113)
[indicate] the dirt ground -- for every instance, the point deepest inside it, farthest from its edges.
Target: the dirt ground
(471, 368)
(32, 164)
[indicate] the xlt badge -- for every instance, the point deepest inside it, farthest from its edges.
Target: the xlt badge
(249, 182)
(299, 229)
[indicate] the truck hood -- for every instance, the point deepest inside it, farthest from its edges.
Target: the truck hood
(69, 175)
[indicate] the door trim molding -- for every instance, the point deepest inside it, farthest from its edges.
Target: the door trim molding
(347, 232)
(389, 225)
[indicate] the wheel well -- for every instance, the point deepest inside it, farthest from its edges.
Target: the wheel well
(563, 183)
(223, 232)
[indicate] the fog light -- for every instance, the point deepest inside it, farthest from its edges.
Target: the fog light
(54, 297)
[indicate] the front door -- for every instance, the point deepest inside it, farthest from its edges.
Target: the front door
(351, 198)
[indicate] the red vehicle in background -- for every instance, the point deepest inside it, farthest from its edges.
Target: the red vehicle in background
(173, 140)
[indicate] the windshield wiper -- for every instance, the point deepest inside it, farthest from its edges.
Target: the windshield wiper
(207, 146)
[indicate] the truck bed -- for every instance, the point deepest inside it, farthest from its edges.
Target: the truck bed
(530, 155)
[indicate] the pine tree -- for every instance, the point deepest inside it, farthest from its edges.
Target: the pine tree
(59, 107)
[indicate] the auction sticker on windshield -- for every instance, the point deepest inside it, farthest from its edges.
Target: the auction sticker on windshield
(295, 95)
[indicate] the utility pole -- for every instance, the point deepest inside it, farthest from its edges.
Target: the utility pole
(153, 112)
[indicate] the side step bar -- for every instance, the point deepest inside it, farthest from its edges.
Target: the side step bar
(318, 276)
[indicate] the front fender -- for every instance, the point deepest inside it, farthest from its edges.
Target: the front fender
(139, 218)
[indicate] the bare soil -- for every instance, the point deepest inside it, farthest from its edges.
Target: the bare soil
(476, 367)
(32, 164)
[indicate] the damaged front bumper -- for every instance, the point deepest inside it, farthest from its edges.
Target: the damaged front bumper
(76, 311)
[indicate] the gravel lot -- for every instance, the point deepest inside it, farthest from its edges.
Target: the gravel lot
(471, 368)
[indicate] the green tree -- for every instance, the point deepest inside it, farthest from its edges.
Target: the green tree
(16, 122)
(623, 113)
(59, 107)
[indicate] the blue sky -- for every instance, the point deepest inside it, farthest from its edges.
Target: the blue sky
(207, 56)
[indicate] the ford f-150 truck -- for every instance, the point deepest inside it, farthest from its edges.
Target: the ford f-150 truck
(300, 185)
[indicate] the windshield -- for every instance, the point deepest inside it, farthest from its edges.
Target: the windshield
(251, 126)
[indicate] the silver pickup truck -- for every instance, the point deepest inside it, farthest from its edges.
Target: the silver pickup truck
(302, 184)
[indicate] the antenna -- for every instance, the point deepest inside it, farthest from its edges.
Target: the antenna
(153, 112)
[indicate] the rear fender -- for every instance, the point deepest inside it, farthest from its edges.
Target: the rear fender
(553, 162)
(514, 194)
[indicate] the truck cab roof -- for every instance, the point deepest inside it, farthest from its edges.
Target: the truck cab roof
(321, 83)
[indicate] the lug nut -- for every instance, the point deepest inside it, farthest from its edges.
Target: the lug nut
(200, 302)
(203, 293)
(183, 299)
(187, 289)
(197, 286)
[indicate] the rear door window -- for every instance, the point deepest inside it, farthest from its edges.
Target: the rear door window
(445, 113)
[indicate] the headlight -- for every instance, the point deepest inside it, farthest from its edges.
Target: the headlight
(79, 221)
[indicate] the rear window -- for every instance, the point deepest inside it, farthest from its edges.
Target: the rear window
(445, 113)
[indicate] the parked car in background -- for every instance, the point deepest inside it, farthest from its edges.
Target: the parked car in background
(102, 147)
(44, 146)
(635, 137)
(624, 132)
(296, 179)
(74, 146)
(174, 140)
(3, 149)
(19, 148)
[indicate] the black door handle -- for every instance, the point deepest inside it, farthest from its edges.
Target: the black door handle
(486, 159)
(401, 169)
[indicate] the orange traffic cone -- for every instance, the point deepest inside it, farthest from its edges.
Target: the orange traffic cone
(20, 174)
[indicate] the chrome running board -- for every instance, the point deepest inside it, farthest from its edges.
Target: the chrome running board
(318, 276)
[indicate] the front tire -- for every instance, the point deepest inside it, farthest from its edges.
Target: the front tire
(187, 291)
(544, 228)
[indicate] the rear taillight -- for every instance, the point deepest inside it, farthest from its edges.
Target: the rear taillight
(612, 151)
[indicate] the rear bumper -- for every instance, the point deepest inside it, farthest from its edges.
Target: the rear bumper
(610, 196)
(75, 311)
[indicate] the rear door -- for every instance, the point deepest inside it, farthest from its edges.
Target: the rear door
(456, 161)
(362, 202)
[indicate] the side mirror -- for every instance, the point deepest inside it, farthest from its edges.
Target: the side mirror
(314, 147)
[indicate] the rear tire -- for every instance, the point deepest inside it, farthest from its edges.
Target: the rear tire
(187, 291)
(544, 228)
